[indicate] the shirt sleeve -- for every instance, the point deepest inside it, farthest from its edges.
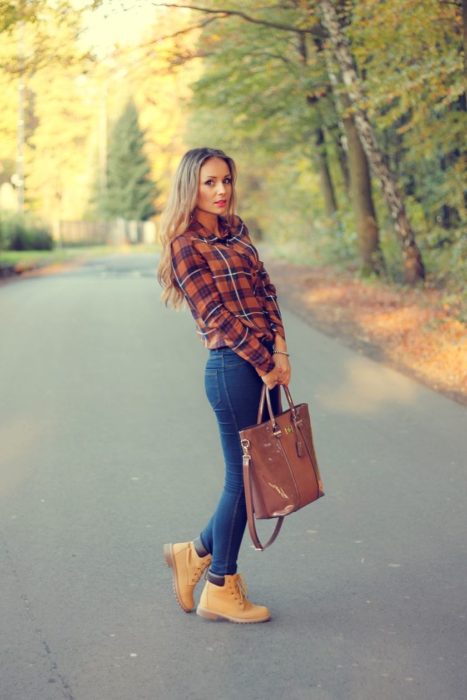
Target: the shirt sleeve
(194, 277)
(270, 303)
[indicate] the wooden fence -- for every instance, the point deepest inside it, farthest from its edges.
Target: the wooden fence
(115, 232)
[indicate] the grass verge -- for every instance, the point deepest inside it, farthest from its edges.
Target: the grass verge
(14, 262)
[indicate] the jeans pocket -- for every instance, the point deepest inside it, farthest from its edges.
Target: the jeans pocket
(211, 385)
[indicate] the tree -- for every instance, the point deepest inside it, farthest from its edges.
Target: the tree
(41, 60)
(129, 191)
(59, 146)
(319, 19)
(415, 99)
(305, 93)
(413, 265)
(299, 107)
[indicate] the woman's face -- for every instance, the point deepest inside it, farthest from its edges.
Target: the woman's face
(215, 187)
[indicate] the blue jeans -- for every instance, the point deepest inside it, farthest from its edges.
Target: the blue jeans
(233, 388)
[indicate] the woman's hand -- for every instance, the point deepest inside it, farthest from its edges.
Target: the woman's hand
(283, 366)
(281, 360)
(280, 374)
(272, 378)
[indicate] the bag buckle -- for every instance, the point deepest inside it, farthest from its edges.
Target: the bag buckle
(245, 445)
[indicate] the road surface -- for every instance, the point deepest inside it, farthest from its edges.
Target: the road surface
(109, 448)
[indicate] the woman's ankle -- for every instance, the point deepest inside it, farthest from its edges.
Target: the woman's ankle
(200, 549)
(217, 579)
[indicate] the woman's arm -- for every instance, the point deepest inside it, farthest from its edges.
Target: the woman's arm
(283, 371)
(280, 343)
(270, 303)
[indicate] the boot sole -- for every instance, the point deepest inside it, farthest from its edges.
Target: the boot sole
(209, 615)
(170, 561)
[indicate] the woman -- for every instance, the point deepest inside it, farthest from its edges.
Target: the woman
(208, 260)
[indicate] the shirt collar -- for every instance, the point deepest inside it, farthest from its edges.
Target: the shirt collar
(226, 231)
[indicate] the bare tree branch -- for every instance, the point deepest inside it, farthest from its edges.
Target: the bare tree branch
(315, 31)
(280, 57)
(123, 51)
(179, 32)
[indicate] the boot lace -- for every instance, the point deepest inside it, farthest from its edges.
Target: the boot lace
(239, 590)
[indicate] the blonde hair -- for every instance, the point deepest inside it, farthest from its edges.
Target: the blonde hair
(178, 211)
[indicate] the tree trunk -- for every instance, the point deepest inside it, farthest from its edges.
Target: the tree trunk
(464, 23)
(357, 178)
(339, 145)
(356, 175)
(413, 265)
(362, 201)
(327, 187)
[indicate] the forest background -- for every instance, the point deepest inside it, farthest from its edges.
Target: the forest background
(346, 119)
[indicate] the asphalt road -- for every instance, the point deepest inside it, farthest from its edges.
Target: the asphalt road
(109, 448)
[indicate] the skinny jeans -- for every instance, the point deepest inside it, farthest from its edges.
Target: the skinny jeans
(233, 388)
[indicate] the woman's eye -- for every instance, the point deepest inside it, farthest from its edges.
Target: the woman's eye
(227, 181)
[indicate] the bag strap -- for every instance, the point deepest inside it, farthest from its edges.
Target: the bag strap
(266, 398)
(249, 509)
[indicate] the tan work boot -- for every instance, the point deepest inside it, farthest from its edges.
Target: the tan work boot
(187, 568)
(229, 602)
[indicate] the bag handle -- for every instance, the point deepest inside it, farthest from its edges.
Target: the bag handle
(265, 396)
(249, 509)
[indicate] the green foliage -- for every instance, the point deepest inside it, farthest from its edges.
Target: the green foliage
(411, 60)
(21, 232)
(129, 192)
(264, 91)
(262, 77)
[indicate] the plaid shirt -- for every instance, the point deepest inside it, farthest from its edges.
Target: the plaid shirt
(228, 290)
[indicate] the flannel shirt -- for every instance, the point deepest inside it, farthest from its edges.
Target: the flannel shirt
(228, 290)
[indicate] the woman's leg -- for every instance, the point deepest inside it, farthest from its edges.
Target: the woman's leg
(233, 388)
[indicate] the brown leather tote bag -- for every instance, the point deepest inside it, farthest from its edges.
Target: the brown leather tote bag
(280, 469)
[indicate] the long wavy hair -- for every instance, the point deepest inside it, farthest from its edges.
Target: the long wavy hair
(178, 213)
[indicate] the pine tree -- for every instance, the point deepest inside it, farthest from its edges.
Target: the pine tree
(130, 191)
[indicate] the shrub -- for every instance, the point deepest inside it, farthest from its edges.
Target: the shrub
(22, 232)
